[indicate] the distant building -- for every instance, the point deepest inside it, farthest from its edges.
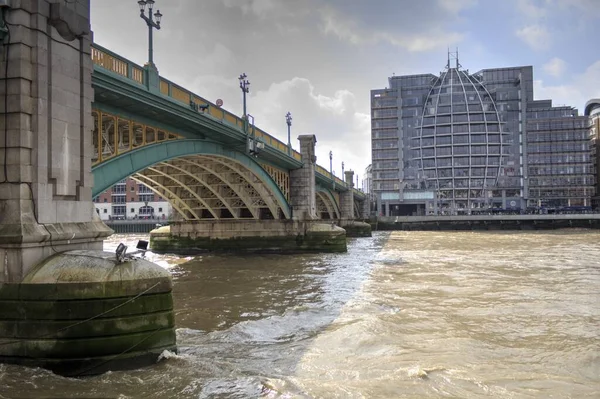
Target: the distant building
(368, 179)
(368, 186)
(592, 110)
(468, 143)
(129, 199)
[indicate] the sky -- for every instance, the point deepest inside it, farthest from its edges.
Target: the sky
(319, 59)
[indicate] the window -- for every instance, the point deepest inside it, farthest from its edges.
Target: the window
(105, 210)
(105, 201)
(160, 209)
(118, 210)
(132, 188)
(118, 199)
(146, 210)
(132, 210)
(146, 197)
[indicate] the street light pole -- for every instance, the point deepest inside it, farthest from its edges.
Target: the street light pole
(245, 86)
(151, 24)
(343, 175)
(288, 120)
(331, 168)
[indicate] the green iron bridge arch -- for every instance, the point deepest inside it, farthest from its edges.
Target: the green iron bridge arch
(201, 179)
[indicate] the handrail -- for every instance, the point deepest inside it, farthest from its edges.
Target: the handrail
(119, 65)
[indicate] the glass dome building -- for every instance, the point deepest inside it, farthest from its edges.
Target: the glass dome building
(462, 143)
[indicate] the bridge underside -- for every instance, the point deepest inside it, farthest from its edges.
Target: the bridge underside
(210, 187)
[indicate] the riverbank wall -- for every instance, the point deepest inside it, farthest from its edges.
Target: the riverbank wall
(487, 222)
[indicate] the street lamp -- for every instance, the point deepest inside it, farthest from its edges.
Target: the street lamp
(150, 22)
(288, 120)
(331, 168)
(343, 175)
(245, 86)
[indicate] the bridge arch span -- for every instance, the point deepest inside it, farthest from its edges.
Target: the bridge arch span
(327, 206)
(201, 179)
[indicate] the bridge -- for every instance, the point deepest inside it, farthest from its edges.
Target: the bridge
(192, 152)
(211, 165)
(80, 119)
(76, 119)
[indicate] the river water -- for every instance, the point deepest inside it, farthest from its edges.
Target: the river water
(401, 315)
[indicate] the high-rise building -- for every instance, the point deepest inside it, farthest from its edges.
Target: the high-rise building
(467, 143)
(592, 110)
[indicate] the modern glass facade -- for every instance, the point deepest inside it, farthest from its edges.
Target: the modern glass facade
(560, 165)
(592, 111)
(459, 143)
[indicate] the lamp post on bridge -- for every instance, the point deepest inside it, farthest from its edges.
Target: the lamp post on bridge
(343, 175)
(331, 168)
(288, 120)
(245, 86)
(151, 24)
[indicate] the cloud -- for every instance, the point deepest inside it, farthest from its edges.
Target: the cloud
(575, 93)
(535, 36)
(260, 8)
(530, 9)
(456, 6)
(348, 29)
(555, 67)
(333, 118)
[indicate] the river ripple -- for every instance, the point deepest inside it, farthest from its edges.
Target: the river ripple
(401, 315)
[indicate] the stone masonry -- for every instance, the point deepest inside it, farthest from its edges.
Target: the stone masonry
(302, 181)
(347, 197)
(45, 135)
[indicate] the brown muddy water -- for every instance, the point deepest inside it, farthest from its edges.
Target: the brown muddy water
(401, 315)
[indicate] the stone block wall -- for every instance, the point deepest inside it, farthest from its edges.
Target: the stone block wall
(347, 197)
(302, 181)
(46, 123)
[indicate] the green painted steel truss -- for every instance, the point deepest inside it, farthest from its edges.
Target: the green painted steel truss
(201, 179)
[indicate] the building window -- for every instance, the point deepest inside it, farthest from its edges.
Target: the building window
(118, 210)
(118, 199)
(146, 197)
(160, 209)
(146, 211)
(132, 188)
(132, 210)
(105, 201)
(105, 210)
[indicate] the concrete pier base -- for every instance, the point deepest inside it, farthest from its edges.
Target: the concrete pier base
(356, 228)
(255, 236)
(81, 313)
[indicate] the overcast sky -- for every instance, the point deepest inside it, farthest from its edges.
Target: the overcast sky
(319, 59)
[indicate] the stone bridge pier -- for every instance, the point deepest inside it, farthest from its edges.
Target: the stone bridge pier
(54, 277)
(350, 213)
(303, 232)
(302, 181)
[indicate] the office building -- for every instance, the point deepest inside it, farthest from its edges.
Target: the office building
(129, 199)
(592, 111)
(467, 143)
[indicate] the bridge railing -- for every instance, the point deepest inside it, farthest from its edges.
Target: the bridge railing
(322, 171)
(117, 64)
